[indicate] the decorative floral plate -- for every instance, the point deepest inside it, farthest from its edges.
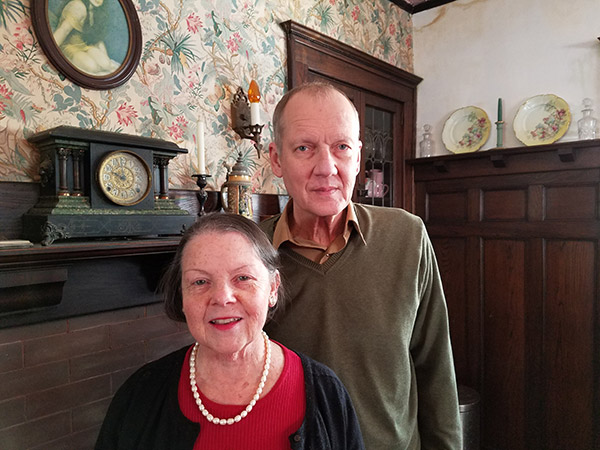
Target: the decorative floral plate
(542, 119)
(466, 130)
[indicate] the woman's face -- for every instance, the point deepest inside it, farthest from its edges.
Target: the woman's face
(226, 290)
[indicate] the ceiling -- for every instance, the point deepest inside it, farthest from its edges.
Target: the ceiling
(415, 6)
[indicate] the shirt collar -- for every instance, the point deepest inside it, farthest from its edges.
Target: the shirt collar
(282, 232)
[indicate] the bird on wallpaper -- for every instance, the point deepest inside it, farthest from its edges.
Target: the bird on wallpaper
(171, 109)
(216, 97)
(156, 119)
(153, 70)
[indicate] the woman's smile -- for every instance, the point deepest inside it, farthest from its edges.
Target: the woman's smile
(225, 323)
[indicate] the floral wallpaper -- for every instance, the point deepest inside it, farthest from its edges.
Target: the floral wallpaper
(195, 55)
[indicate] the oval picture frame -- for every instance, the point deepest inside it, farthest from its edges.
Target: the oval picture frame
(96, 44)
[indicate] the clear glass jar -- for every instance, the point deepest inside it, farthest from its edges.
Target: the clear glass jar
(587, 125)
(426, 146)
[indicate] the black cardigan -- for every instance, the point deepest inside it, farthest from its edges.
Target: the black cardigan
(144, 413)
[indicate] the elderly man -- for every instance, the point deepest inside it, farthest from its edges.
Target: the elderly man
(365, 295)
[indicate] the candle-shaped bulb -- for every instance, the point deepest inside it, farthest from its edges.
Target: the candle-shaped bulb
(254, 97)
(253, 92)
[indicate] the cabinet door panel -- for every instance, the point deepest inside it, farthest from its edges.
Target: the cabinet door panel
(504, 344)
(381, 126)
(452, 260)
(505, 204)
(568, 355)
(571, 202)
(447, 206)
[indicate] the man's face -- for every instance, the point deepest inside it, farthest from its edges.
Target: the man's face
(319, 156)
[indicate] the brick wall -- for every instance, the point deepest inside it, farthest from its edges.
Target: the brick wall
(57, 378)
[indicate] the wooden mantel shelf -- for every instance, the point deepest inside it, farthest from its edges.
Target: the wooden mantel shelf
(42, 283)
(86, 250)
(567, 155)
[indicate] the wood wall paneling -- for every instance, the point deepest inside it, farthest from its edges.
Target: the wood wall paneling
(571, 202)
(506, 204)
(454, 272)
(447, 206)
(568, 344)
(519, 251)
(503, 369)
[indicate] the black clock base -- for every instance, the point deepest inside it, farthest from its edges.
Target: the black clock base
(49, 228)
(101, 184)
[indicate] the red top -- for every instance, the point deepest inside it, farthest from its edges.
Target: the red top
(268, 426)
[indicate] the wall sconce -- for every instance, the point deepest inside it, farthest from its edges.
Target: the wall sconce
(245, 113)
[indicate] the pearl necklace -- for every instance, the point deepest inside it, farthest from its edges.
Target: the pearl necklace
(248, 408)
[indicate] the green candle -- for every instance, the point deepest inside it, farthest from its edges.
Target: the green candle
(499, 110)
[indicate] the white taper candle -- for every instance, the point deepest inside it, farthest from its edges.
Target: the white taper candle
(200, 148)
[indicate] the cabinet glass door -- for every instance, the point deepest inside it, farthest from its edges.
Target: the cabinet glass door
(378, 157)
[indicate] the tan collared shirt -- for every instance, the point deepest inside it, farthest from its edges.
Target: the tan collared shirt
(308, 248)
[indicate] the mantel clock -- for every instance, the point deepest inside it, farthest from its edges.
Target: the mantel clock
(124, 178)
(99, 184)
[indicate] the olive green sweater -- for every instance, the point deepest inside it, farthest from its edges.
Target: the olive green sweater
(376, 314)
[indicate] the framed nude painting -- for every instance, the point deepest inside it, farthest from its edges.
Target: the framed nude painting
(94, 43)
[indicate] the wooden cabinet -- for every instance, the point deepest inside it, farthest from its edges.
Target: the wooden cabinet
(517, 236)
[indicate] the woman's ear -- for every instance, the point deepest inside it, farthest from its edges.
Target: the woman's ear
(275, 283)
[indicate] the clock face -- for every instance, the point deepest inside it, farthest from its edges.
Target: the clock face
(124, 178)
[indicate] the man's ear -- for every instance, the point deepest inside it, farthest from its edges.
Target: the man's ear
(360, 144)
(275, 160)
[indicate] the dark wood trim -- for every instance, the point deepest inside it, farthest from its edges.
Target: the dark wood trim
(406, 6)
(305, 36)
(75, 251)
(537, 158)
(423, 6)
(15, 200)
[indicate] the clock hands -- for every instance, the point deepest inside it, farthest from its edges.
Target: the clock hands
(121, 176)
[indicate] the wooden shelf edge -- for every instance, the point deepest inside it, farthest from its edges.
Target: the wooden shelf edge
(563, 148)
(89, 250)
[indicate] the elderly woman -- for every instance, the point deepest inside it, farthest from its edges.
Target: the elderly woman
(234, 388)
